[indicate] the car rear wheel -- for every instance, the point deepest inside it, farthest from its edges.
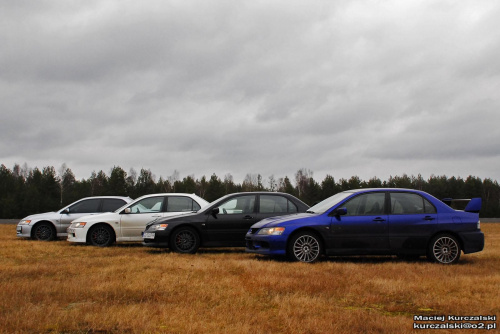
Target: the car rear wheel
(44, 232)
(185, 240)
(444, 249)
(305, 247)
(101, 235)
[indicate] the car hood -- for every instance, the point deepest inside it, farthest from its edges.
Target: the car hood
(101, 217)
(182, 215)
(45, 215)
(280, 220)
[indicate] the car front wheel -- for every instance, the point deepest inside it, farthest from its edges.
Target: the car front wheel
(444, 249)
(305, 247)
(101, 235)
(44, 232)
(185, 240)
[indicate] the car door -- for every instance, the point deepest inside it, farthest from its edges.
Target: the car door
(412, 220)
(364, 229)
(77, 210)
(230, 225)
(132, 223)
(274, 205)
(180, 204)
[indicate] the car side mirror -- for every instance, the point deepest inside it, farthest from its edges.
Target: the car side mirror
(66, 211)
(340, 212)
(127, 210)
(214, 212)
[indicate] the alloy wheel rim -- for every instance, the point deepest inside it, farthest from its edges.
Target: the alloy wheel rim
(185, 241)
(100, 236)
(43, 232)
(306, 248)
(445, 250)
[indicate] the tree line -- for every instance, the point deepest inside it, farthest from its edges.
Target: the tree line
(25, 191)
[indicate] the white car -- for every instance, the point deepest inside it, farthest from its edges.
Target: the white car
(128, 222)
(50, 225)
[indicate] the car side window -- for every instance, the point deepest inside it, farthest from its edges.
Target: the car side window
(86, 206)
(275, 204)
(147, 205)
(366, 204)
(181, 204)
(406, 203)
(112, 204)
(238, 205)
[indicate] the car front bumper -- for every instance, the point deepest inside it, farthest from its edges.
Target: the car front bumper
(158, 239)
(24, 231)
(77, 234)
(265, 244)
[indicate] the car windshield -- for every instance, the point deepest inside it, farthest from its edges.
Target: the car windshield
(326, 204)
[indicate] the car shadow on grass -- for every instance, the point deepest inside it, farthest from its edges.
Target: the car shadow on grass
(232, 250)
(348, 259)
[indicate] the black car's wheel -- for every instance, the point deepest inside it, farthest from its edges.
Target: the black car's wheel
(44, 232)
(305, 247)
(444, 249)
(101, 235)
(185, 240)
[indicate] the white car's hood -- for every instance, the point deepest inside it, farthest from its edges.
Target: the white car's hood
(105, 217)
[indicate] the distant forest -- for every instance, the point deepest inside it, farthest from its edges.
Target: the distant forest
(25, 191)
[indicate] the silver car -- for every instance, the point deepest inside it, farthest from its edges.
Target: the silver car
(50, 225)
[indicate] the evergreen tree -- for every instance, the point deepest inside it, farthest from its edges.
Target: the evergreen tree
(117, 184)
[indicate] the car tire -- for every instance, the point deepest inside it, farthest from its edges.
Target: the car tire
(101, 236)
(44, 232)
(305, 247)
(444, 249)
(185, 240)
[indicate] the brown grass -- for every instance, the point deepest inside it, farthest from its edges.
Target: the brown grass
(64, 288)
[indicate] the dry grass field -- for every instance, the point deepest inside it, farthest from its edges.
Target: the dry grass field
(59, 287)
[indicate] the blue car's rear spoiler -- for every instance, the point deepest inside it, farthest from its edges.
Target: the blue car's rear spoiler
(473, 205)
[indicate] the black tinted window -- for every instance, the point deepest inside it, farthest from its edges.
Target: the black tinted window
(112, 204)
(180, 204)
(86, 206)
(366, 204)
(276, 204)
(238, 205)
(407, 203)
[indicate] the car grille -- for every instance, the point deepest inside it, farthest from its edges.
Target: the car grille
(254, 230)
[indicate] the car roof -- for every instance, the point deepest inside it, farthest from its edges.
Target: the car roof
(382, 189)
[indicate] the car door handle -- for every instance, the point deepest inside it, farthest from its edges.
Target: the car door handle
(156, 216)
(379, 219)
(429, 218)
(248, 217)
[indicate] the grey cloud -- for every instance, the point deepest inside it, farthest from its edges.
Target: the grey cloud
(354, 88)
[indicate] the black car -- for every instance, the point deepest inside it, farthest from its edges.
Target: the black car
(222, 223)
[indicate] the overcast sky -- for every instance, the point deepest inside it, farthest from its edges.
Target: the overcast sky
(366, 88)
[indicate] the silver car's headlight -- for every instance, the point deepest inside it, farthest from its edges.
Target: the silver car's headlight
(24, 222)
(272, 231)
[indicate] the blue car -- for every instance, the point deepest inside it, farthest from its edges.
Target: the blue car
(404, 222)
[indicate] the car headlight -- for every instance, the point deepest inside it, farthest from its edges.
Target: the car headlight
(79, 225)
(24, 222)
(272, 231)
(159, 227)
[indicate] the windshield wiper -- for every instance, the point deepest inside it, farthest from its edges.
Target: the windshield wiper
(309, 211)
